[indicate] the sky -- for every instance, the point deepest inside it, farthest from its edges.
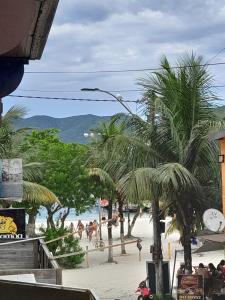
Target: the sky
(93, 35)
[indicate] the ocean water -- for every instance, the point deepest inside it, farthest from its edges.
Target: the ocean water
(89, 215)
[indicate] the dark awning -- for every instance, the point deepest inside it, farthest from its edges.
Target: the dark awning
(212, 242)
(24, 27)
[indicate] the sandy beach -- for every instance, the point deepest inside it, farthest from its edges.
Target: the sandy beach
(119, 280)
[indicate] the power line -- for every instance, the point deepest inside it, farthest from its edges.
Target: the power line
(124, 70)
(79, 91)
(85, 99)
(70, 99)
(213, 57)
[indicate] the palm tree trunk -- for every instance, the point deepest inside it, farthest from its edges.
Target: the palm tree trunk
(120, 209)
(157, 251)
(187, 228)
(187, 248)
(131, 226)
(30, 228)
(110, 240)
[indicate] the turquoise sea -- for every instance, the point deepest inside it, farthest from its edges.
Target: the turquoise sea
(88, 215)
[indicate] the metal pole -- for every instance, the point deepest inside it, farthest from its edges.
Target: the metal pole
(174, 265)
(100, 219)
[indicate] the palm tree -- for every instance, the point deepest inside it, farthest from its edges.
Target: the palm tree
(170, 157)
(99, 152)
(185, 119)
(105, 179)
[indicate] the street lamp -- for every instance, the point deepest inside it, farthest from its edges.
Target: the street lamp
(119, 99)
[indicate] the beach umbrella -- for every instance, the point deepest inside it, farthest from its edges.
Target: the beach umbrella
(104, 202)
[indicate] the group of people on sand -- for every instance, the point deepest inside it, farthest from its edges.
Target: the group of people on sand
(90, 228)
(210, 274)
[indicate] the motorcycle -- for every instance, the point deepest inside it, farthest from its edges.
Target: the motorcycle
(144, 292)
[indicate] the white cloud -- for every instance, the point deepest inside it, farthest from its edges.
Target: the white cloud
(123, 34)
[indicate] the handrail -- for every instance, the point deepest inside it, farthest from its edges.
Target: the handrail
(45, 257)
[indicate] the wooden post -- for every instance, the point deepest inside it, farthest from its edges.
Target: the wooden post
(169, 250)
(139, 255)
(87, 258)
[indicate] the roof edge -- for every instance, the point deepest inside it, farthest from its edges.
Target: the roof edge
(44, 22)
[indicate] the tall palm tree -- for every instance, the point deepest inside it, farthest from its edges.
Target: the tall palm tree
(170, 156)
(104, 133)
(105, 179)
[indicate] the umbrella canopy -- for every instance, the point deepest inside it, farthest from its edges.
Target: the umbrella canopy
(212, 242)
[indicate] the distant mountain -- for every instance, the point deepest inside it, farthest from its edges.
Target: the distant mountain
(72, 129)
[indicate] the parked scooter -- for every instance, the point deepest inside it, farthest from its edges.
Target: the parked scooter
(144, 292)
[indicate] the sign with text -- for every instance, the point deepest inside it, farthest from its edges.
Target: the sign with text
(190, 287)
(12, 223)
(11, 179)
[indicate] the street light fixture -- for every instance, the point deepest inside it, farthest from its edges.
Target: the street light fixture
(119, 99)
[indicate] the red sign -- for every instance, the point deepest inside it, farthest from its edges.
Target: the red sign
(190, 287)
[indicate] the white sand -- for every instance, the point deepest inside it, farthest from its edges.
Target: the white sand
(119, 281)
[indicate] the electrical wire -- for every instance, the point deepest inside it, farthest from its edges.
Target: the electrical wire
(70, 99)
(79, 91)
(85, 99)
(124, 70)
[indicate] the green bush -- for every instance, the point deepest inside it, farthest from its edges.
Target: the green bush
(67, 245)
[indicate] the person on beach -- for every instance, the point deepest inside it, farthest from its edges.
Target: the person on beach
(87, 230)
(80, 228)
(90, 231)
(95, 227)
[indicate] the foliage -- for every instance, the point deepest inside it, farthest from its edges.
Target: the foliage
(67, 245)
(63, 170)
(169, 157)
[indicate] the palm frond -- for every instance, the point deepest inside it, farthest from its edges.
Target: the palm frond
(102, 176)
(36, 193)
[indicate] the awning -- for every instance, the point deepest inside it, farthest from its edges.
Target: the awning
(24, 27)
(212, 242)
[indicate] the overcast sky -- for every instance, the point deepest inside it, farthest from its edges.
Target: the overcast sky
(90, 35)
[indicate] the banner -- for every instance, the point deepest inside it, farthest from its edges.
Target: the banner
(190, 287)
(11, 179)
(12, 223)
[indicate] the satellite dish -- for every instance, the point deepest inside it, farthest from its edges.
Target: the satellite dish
(214, 220)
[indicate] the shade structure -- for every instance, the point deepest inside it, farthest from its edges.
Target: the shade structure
(24, 27)
(212, 242)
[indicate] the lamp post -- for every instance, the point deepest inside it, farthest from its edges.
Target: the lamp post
(119, 99)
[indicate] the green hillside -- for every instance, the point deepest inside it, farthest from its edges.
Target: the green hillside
(72, 129)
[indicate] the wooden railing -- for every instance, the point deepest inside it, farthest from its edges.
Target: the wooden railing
(45, 260)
